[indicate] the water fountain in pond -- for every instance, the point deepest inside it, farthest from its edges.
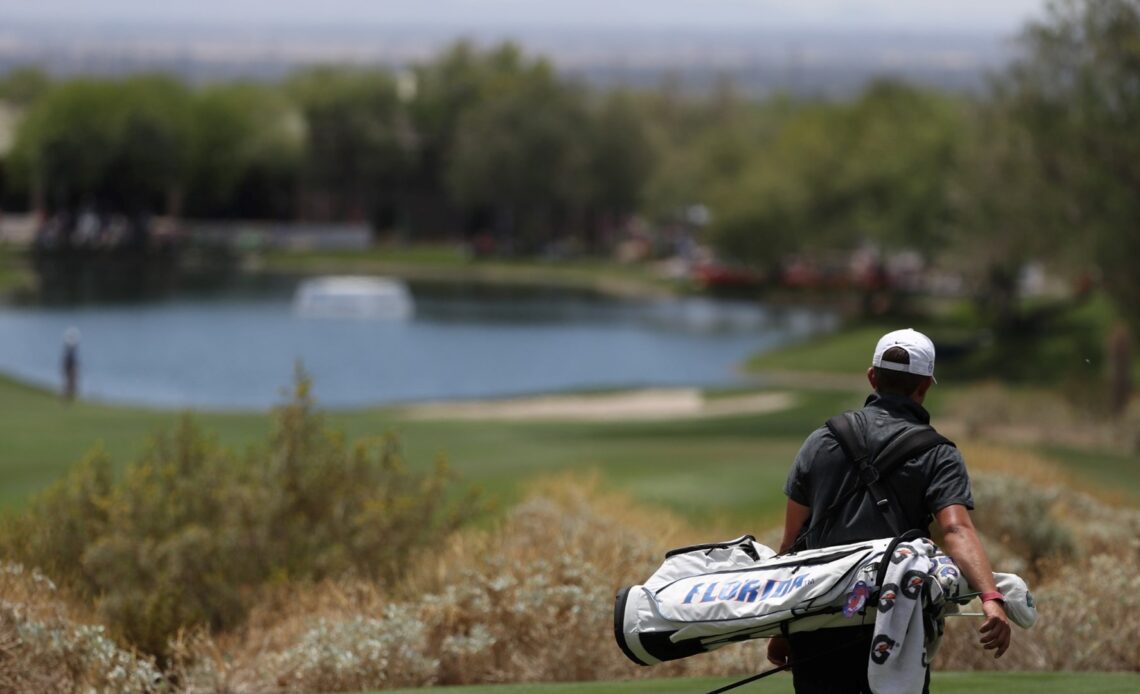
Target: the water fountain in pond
(365, 298)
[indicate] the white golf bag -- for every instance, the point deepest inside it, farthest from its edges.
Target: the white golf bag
(706, 596)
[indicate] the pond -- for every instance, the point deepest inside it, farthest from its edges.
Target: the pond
(237, 348)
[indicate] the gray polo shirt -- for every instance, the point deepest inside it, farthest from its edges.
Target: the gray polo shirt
(821, 474)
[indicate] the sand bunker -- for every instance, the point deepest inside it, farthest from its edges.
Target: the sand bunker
(647, 405)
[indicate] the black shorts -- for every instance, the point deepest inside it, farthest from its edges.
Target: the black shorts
(834, 661)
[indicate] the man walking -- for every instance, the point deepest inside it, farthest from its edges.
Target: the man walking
(70, 363)
(932, 486)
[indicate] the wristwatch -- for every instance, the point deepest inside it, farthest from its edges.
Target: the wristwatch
(992, 595)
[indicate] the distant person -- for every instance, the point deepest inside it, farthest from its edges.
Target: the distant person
(1120, 369)
(932, 485)
(70, 363)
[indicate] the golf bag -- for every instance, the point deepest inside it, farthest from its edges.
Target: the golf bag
(707, 596)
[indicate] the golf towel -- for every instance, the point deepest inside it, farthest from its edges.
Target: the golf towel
(704, 597)
(898, 658)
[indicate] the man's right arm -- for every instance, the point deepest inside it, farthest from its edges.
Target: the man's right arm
(795, 517)
(962, 544)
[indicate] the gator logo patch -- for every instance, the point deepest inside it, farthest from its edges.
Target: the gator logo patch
(881, 647)
(856, 599)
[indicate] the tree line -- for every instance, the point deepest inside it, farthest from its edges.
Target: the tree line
(490, 141)
(496, 144)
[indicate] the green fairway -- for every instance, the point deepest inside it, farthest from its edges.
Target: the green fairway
(943, 683)
(450, 263)
(14, 269)
(1114, 472)
(729, 468)
(43, 436)
(847, 352)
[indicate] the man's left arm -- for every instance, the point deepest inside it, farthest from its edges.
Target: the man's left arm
(961, 542)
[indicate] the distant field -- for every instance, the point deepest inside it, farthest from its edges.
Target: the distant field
(14, 269)
(1067, 345)
(943, 683)
(730, 468)
(449, 262)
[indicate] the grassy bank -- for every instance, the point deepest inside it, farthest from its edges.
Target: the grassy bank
(1064, 342)
(482, 606)
(729, 467)
(1045, 391)
(15, 271)
(450, 263)
(43, 436)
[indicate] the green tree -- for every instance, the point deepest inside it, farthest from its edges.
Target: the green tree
(358, 143)
(1074, 91)
(778, 201)
(703, 147)
(896, 170)
(121, 145)
(445, 89)
(23, 86)
(878, 170)
(621, 158)
(245, 152)
(1000, 214)
(519, 153)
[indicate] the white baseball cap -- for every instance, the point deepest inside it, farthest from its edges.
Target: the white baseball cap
(917, 345)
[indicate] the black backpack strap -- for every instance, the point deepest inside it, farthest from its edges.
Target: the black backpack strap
(873, 472)
(908, 445)
(870, 477)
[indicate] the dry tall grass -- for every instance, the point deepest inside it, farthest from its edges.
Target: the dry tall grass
(1080, 551)
(43, 648)
(531, 600)
(1078, 417)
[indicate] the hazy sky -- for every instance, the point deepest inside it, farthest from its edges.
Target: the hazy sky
(1002, 16)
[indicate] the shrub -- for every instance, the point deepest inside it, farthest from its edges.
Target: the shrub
(1086, 561)
(43, 650)
(1087, 622)
(193, 531)
(340, 655)
(1022, 518)
(529, 600)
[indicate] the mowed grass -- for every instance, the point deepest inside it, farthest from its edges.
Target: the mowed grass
(449, 262)
(730, 468)
(42, 437)
(942, 682)
(847, 352)
(720, 471)
(1116, 473)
